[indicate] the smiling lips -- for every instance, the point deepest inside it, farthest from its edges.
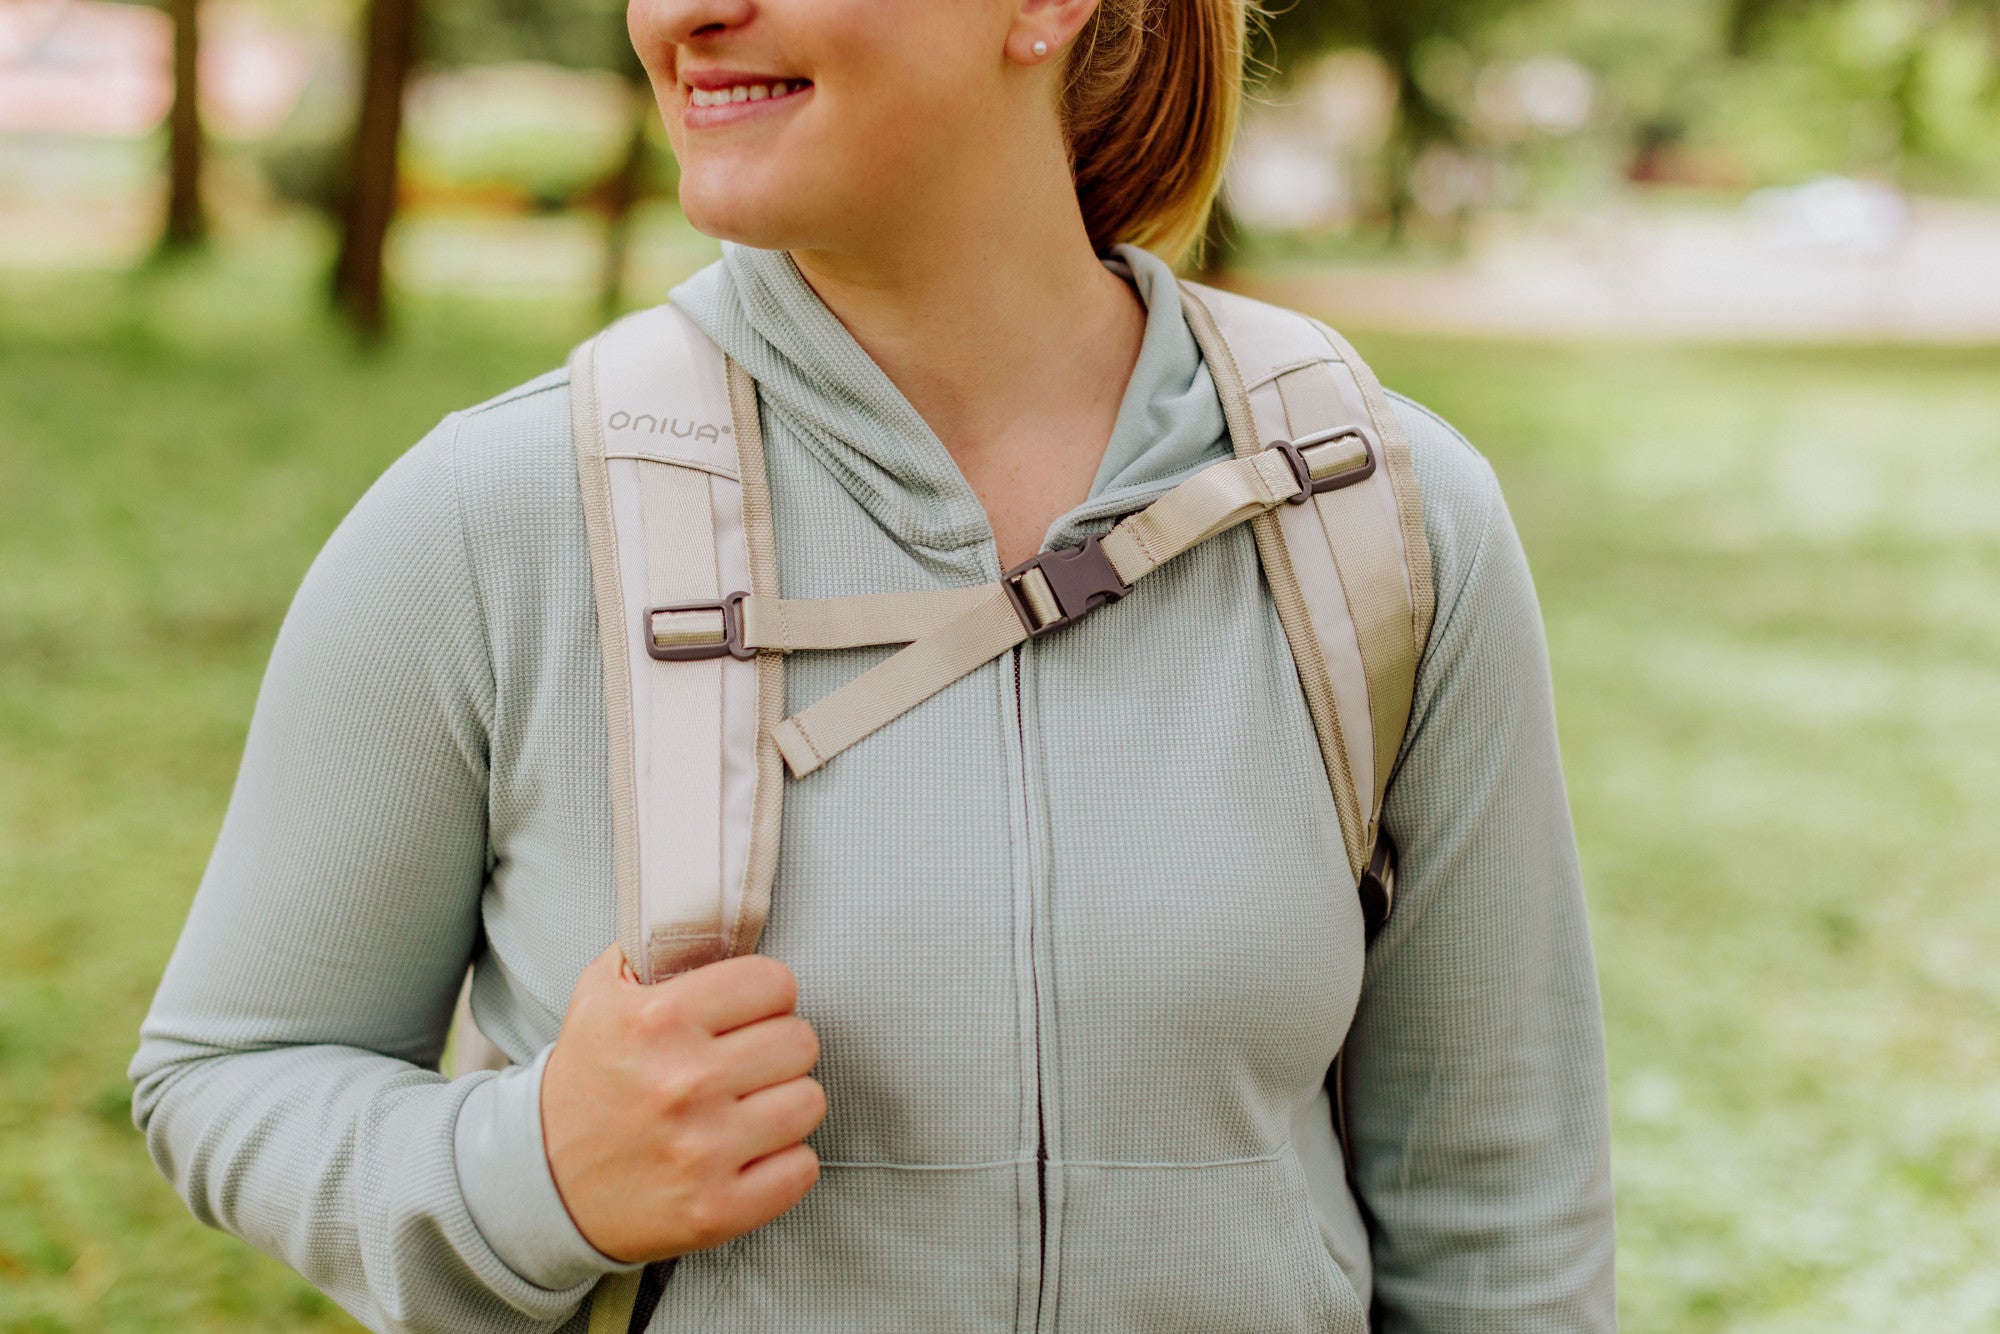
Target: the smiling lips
(743, 92)
(741, 99)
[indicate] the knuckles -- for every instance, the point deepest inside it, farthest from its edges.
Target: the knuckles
(685, 1088)
(708, 1223)
(661, 1015)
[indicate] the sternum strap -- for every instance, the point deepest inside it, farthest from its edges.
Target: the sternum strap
(1214, 500)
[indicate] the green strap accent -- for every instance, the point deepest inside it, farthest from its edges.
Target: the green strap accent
(611, 1304)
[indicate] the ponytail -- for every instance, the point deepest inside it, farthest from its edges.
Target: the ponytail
(1150, 110)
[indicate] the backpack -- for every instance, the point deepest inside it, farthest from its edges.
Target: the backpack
(670, 463)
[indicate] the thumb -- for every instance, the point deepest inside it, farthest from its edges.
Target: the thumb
(601, 976)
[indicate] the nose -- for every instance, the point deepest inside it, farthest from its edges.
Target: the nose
(658, 26)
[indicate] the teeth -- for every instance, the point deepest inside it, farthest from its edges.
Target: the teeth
(742, 92)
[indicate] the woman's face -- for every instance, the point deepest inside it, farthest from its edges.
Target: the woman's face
(808, 124)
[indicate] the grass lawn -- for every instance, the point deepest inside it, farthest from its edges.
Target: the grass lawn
(1772, 581)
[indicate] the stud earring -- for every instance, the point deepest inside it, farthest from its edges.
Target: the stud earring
(1041, 49)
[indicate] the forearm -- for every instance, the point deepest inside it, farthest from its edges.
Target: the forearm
(345, 1165)
(284, 1076)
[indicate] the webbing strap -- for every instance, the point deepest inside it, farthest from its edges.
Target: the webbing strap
(785, 625)
(906, 679)
(1217, 498)
(612, 1301)
(760, 542)
(1368, 555)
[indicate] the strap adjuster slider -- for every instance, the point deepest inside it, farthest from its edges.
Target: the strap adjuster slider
(1320, 466)
(696, 631)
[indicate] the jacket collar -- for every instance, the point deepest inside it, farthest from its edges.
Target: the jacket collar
(840, 405)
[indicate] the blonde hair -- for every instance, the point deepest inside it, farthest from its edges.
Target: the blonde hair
(1150, 108)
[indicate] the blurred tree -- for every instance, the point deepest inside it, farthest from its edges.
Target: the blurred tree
(371, 188)
(581, 34)
(586, 34)
(1401, 32)
(1902, 68)
(626, 189)
(186, 224)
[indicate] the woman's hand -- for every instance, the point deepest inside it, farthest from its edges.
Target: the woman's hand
(673, 1114)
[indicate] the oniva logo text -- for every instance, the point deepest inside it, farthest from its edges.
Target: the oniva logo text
(647, 424)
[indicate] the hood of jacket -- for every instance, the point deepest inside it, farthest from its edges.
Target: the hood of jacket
(840, 405)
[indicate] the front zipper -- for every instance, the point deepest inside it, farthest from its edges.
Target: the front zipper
(1035, 1001)
(1113, 507)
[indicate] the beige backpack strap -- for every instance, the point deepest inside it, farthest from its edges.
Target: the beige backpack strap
(670, 462)
(1349, 570)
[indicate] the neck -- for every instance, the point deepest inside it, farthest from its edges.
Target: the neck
(985, 296)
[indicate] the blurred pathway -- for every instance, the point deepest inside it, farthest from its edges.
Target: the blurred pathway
(1932, 274)
(1929, 272)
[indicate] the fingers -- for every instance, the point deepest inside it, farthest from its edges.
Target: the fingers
(606, 970)
(773, 1118)
(734, 992)
(771, 1185)
(767, 1052)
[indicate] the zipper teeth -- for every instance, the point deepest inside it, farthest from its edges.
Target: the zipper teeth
(1035, 1000)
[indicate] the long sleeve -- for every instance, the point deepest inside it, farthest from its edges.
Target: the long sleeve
(285, 1078)
(1475, 1069)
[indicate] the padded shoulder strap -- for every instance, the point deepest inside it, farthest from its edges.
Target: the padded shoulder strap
(1350, 570)
(670, 462)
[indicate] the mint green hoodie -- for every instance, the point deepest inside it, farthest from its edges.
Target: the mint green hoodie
(1078, 935)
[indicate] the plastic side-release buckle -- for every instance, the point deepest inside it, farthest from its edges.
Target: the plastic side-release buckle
(695, 631)
(1320, 465)
(1055, 588)
(1377, 886)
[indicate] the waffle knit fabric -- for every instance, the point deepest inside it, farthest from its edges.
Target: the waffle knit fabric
(1077, 934)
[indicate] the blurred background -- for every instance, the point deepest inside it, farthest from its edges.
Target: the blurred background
(1714, 283)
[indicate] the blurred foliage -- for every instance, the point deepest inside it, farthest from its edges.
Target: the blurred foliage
(1715, 95)
(1907, 90)
(521, 134)
(517, 104)
(577, 34)
(1728, 94)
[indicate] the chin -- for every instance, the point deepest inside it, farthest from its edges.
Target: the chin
(765, 219)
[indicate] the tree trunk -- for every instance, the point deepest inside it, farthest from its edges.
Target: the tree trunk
(186, 225)
(623, 193)
(371, 190)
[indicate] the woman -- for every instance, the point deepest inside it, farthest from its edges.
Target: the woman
(1070, 1034)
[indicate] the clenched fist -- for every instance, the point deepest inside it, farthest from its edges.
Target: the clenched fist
(673, 1114)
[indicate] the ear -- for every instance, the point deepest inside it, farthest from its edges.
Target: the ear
(1052, 23)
